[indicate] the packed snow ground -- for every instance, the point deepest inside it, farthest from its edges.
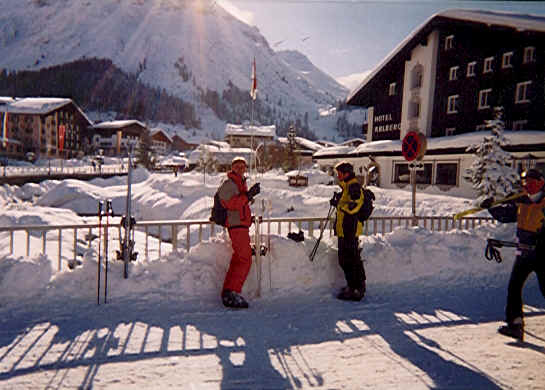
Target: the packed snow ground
(428, 320)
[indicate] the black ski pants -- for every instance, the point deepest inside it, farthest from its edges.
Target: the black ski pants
(525, 263)
(350, 262)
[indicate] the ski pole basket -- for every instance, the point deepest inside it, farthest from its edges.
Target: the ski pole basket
(492, 253)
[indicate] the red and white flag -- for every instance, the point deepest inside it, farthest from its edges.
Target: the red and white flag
(253, 91)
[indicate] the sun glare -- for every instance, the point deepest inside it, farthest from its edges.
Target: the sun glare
(245, 16)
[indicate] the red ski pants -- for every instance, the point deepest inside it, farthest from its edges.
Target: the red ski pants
(241, 261)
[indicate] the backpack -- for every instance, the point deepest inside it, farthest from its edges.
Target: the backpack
(219, 213)
(367, 207)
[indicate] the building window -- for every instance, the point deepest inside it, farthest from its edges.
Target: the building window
(487, 68)
(507, 59)
(449, 42)
(520, 125)
(529, 55)
(424, 176)
(521, 94)
(446, 174)
(484, 98)
(401, 173)
(392, 89)
(450, 131)
(417, 75)
(414, 109)
(453, 74)
(471, 69)
(452, 105)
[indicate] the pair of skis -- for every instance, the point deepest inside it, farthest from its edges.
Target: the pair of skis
(104, 209)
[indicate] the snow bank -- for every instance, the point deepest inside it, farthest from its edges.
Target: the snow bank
(406, 255)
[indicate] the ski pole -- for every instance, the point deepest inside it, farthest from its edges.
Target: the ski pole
(313, 252)
(477, 209)
(108, 212)
(100, 203)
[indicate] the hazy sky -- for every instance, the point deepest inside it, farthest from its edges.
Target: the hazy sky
(343, 37)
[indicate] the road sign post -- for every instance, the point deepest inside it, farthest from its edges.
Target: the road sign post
(413, 148)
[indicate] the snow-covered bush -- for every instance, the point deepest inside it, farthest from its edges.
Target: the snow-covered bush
(492, 173)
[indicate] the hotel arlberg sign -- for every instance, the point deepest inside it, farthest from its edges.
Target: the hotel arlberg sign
(382, 123)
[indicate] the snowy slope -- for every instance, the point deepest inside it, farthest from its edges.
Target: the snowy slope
(179, 45)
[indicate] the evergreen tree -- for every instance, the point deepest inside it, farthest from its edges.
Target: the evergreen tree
(206, 163)
(144, 154)
(492, 173)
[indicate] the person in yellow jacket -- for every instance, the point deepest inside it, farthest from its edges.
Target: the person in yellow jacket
(347, 229)
(528, 212)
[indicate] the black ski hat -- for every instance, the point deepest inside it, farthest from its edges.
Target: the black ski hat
(344, 167)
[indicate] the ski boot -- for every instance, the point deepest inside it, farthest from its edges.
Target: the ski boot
(351, 294)
(513, 329)
(74, 263)
(233, 299)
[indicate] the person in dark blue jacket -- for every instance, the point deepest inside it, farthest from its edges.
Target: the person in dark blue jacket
(528, 212)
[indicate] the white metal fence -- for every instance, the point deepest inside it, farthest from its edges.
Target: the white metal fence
(25, 171)
(69, 243)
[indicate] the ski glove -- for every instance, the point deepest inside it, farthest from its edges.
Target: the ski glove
(253, 191)
(487, 203)
(334, 201)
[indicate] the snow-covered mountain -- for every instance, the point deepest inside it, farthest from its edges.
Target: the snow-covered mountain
(182, 46)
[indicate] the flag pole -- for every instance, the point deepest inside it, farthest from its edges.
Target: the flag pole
(253, 95)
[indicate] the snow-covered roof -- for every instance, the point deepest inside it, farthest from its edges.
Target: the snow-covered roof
(36, 105)
(219, 144)
(249, 130)
(158, 130)
(173, 160)
(222, 156)
(306, 143)
(338, 149)
(118, 124)
(326, 143)
(6, 100)
(353, 142)
(461, 141)
(521, 22)
(32, 105)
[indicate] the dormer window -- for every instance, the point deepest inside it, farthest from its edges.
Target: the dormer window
(484, 98)
(522, 92)
(487, 68)
(449, 42)
(507, 59)
(453, 74)
(529, 55)
(452, 104)
(417, 75)
(392, 89)
(471, 69)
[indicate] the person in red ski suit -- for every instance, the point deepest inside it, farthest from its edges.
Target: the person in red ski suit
(235, 197)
